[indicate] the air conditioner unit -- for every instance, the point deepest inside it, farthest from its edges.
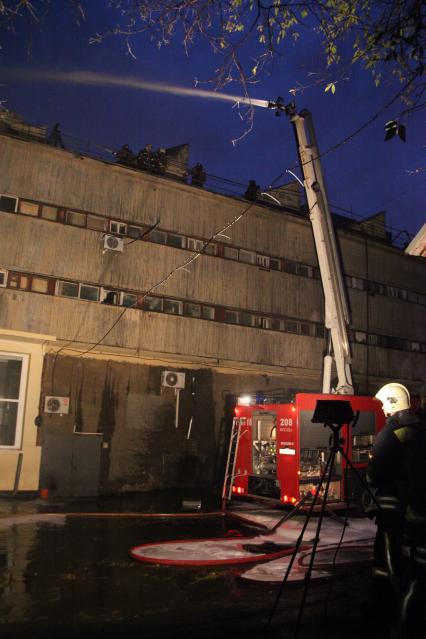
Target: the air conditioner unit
(112, 243)
(59, 405)
(170, 379)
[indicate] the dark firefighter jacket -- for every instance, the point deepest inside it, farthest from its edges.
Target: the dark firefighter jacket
(397, 471)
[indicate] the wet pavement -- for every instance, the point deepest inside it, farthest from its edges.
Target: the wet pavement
(65, 571)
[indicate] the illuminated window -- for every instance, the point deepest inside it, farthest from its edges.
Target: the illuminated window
(49, 212)
(8, 203)
(13, 375)
(90, 293)
(28, 208)
(18, 280)
(75, 218)
(172, 306)
(96, 223)
(39, 285)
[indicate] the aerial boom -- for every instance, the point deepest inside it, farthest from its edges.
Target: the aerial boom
(336, 307)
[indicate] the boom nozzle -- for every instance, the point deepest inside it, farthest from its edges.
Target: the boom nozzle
(288, 109)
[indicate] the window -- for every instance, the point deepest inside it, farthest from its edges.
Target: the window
(96, 223)
(230, 253)
(18, 280)
(392, 291)
(157, 236)
(245, 319)
(231, 317)
(277, 325)
(304, 270)
(415, 346)
(319, 330)
(3, 277)
(194, 245)
(193, 310)
(153, 304)
(357, 283)
(134, 232)
(39, 285)
(108, 297)
(274, 264)
(263, 261)
(76, 219)
(305, 328)
(291, 326)
(360, 337)
(172, 306)
(207, 312)
(263, 322)
(28, 208)
(247, 256)
(8, 203)
(373, 340)
(412, 297)
(13, 373)
(90, 293)
(178, 241)
(68, 289)
(118, 227)
(49, 212)
(290, 267)
(128, 299)
(210, 249)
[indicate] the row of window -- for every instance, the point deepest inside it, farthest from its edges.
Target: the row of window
(156, 304)
(133, 231)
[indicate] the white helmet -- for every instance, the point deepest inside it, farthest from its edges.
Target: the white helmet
(394, 397)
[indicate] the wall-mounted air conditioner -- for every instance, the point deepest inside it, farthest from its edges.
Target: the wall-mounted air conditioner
(170, 379)
(112, 243)
(59, 405)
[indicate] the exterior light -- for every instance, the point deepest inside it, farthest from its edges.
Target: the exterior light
(244, 400)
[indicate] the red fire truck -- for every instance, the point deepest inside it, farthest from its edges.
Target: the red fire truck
(275, 450)
(280, 454)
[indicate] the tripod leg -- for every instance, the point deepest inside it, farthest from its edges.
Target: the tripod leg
(359, 477)
(298, 543)
(316, 541)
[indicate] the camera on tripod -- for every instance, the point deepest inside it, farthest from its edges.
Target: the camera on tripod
(333, 412)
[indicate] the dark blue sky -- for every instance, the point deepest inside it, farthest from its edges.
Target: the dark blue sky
(365, 175)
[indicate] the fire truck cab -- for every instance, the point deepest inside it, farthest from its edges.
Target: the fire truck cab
(281, 454)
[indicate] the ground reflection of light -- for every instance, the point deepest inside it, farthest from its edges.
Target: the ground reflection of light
(104, 79)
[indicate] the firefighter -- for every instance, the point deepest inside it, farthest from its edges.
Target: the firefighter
(252, 191)
(125, 155)
(390, 476)
(198, 175)
(55, 137)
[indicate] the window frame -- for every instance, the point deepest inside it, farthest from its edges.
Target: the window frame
(120, 230)
(10, 197)
(24, 357)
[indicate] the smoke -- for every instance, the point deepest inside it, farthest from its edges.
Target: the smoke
(106, 80)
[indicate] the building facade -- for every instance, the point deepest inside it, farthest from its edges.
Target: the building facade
(111, 277)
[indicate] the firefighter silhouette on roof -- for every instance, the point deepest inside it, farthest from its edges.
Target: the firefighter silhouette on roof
(125, 155)
(198, 175)
(252, 191)
(55, 137)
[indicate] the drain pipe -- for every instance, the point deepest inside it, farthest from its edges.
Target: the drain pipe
(17, 474)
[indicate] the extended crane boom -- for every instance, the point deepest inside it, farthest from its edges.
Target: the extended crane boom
(336, 306)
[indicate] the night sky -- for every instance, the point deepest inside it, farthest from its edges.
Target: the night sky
(365, 175)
